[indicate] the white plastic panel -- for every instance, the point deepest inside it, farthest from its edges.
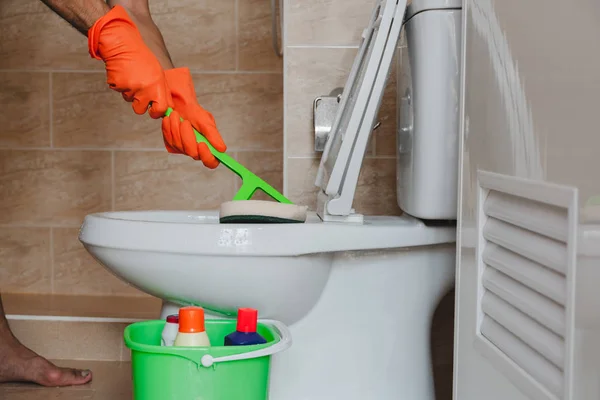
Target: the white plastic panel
(526, 256)
(428, 101)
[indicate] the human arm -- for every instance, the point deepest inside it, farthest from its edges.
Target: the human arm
(142, 70)
(179, 136)
(81, 14)
(131, 68)
(139, 11)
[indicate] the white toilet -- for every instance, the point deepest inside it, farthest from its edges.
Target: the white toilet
(357, 292)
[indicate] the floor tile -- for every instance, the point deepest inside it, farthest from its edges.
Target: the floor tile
(111, 381)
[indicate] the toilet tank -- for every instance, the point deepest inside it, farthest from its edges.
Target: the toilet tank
(428, 109)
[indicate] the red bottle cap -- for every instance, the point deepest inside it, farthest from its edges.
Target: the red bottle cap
(173, 319)
(191, 320)
(247, 319)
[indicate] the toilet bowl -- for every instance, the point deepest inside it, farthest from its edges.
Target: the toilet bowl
(358, 299)
(357, 292)
(187, 257)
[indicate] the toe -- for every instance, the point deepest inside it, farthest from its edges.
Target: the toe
(56, 376)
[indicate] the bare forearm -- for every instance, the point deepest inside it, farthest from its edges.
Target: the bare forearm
(81, 14)
(139, 11)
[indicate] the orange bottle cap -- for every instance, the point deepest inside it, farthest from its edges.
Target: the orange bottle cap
(191, 320)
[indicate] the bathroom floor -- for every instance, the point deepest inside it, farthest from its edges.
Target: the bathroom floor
(111, 381)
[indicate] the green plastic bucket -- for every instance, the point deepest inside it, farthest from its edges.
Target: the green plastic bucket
(202, 373)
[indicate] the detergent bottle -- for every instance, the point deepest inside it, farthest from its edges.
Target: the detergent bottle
(245, 333)
(170, 330)
(191, 328)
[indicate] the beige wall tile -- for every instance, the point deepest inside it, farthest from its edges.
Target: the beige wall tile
(112, 380)
(76, 272)
(248, 108)
(255, 38)
(326, 22)
(375, 193)
(58, 187)
(61, 340)
(35, 37)
(157, 180)
(39, 336)
(200, 34)
(25, 264)
(89, 340)
(267, 165)
(86, 113)
(300, 176)
(77, 305)
(24, 109)
(125, 353)
(310, 73)
(376, 190)
(385, 136)
(39, 393)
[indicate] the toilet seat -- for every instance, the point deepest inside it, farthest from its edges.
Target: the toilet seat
(199, 232)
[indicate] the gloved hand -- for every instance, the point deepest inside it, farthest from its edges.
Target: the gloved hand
(178, 135)
(131, 68)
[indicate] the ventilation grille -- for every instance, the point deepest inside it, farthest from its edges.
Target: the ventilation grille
(524, 269)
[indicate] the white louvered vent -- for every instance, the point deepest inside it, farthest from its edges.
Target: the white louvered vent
(526, 262)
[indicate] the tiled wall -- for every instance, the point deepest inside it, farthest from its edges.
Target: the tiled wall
(321, 40)
(69, 146)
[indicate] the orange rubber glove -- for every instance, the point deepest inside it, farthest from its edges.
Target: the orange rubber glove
(178, 135)
(131, 68)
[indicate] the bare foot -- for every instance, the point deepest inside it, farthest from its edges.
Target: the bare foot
(19, 364)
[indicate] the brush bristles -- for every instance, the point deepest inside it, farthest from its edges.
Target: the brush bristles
(261, 212)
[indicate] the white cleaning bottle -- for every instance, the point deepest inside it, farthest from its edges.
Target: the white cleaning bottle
(170, 330)
(191, 328)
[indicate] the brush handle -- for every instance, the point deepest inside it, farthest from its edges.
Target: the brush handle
(250, 182)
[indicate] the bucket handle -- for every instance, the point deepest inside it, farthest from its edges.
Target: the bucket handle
(284, 343)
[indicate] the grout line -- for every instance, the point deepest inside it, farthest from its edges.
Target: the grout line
(230, 72)
(51, 109)
(52, 259)
(374, 144)
(20, 317)
(193, 71)
(242, 150)
(244, 72)
(375, 157)
(236, 182)
(236, 16)
(121, 345)
(317, 157)
(321, 46)
(50, 70)
(17, 225)
(125, 149)
(303, 157)
(283, 14)
(113, 194)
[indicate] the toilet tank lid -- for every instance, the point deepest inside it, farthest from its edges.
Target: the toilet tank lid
(418, 6)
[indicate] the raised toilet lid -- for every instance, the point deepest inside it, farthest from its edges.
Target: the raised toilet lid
(344, 151)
